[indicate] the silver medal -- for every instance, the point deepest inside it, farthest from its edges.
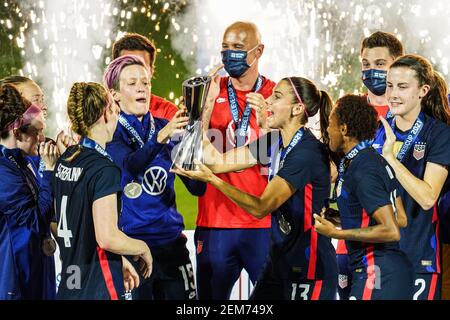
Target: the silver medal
(284, 225)
(133, 190)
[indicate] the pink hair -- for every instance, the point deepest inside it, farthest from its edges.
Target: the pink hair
(112, 73)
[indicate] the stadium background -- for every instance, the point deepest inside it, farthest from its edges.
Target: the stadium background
(57, 42)
(319, 39)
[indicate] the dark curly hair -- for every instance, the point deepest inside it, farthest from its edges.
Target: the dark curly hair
(12, 106)
(359, 116)
(132, 42)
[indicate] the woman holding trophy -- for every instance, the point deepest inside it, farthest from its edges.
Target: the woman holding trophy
(301, 264)
(142, 148)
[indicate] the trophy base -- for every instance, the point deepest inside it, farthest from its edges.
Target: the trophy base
(190, 149)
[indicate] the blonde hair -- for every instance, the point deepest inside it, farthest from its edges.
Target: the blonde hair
(86, 103)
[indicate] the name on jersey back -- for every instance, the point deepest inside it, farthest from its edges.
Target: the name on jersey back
(68, 174)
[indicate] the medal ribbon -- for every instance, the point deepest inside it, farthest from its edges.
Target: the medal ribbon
(346, 161)
(127, 126)
(277, 162)
(91, 144)
(241, 124)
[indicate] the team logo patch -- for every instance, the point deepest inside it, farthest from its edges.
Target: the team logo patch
(284, 225)
(155, 180)
(419, 150)
(199, 246)
(343, 281)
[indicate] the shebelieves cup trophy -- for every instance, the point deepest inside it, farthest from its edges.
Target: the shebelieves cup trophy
(190, 148)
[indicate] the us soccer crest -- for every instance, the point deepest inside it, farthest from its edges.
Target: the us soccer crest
(343, 281)
(419, 150)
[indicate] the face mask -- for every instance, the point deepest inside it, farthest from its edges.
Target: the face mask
(375, 81)
(235, 62)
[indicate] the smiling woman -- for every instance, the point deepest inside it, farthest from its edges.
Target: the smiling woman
(25, 201)
(141, 147)
(414, 141)
(301, 264)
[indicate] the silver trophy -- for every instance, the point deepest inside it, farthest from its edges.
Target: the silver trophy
(190, 148)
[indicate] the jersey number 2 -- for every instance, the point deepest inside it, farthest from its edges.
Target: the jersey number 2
(63, 232)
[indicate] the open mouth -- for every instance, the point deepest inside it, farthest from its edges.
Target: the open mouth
(141, 100)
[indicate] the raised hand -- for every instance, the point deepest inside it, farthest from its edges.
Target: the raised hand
(214, 87)
(175, 126)
(49, 154)
(213, 93)
(63, 141)
(259, 104)
(388, 147)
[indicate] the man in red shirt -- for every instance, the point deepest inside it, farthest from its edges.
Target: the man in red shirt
(227, 238)
(136, 44)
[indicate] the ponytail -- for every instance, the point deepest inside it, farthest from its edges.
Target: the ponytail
(315, 101)
(435, 102)
(325, 107)
(85, 105)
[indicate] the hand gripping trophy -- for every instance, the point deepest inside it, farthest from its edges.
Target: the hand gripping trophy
(195, 91)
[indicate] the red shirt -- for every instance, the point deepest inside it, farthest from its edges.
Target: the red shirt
(341, 247)
(161, 108)
(382, 110)
(214, 209)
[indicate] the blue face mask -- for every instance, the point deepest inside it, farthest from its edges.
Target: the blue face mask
(375, 81)
(235, 62)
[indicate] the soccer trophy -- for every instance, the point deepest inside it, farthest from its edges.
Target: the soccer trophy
(190, 148)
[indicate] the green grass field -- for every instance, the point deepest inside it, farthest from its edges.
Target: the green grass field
(186, 204)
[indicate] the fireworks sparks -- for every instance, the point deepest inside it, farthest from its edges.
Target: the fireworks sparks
(65, 41)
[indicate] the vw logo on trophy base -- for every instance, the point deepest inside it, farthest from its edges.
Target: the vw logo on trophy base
(190, 148)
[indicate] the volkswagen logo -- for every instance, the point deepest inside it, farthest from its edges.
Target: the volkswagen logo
(155, 180)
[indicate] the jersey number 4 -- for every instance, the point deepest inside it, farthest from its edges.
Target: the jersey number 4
(63, 231)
